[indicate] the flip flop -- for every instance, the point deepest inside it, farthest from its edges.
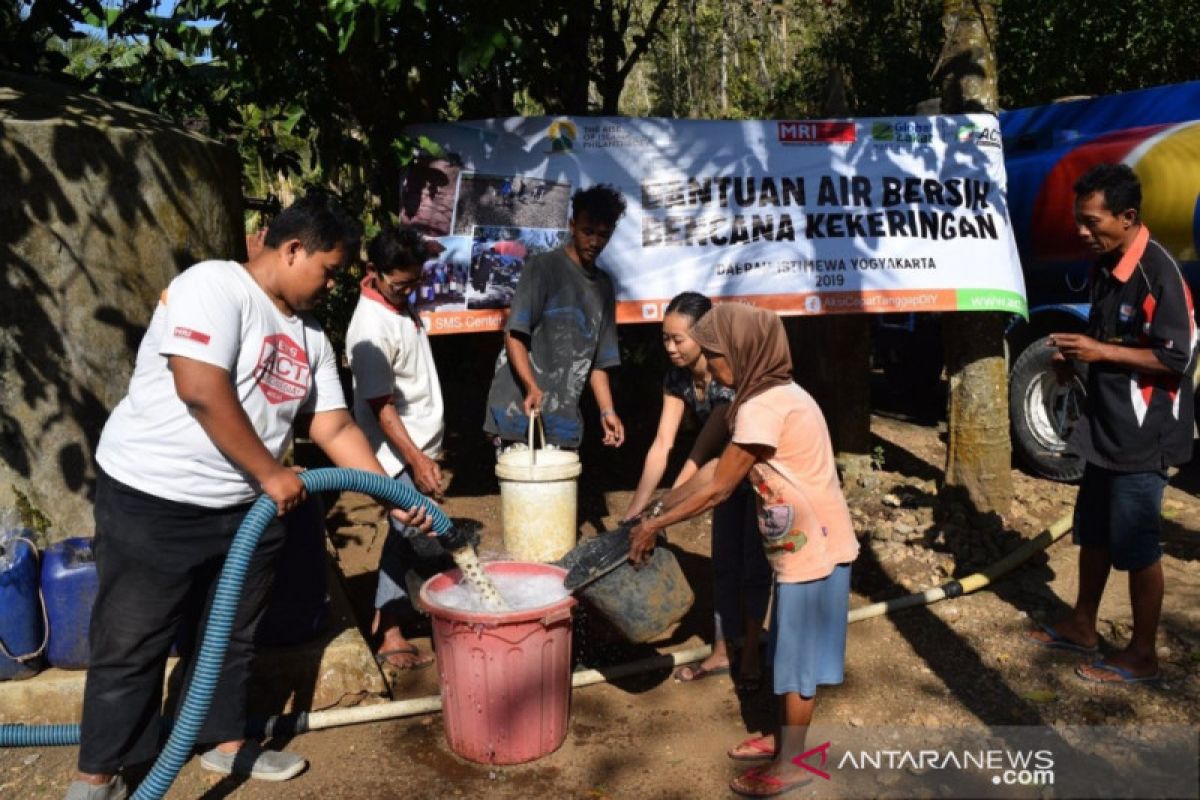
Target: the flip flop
(762, 785)
(757, 744)
(1123, 675)
(382, 658)
(1060, 642)
(688, 673)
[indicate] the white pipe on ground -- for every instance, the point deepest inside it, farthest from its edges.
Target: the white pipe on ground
(336, 717)
(426, 705)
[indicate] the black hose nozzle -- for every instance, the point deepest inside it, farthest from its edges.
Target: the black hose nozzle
(454, 539)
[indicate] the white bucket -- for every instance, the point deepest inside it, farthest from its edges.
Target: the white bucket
(538, 501)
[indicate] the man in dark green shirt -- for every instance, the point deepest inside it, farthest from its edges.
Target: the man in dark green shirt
(561, 334)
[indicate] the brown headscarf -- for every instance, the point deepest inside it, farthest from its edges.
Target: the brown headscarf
(755, 344)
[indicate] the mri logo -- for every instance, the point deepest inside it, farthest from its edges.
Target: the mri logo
(562, 135)
(815, 132)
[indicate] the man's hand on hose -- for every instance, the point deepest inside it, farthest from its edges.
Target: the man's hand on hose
(284, 486)
(416, 517)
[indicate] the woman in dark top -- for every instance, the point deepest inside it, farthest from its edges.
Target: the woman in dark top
(742, 577)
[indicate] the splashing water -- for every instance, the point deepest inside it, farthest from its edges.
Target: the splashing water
(481, 586)
(519, 592)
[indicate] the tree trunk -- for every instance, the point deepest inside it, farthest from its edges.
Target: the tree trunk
(724, 91)
(571, 50)
(979, 451)
(617, 59)
(831, 358)
(693, 48)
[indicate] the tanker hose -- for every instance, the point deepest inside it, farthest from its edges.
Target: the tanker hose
(971, 583)
(207, 668)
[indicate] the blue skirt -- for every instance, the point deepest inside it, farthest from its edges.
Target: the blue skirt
(808, 632)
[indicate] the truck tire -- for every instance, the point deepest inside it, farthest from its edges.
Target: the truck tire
(1044, 413)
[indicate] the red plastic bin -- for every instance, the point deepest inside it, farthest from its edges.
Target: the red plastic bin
(505, 678)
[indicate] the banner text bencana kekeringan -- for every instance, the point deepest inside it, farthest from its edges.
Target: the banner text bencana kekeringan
(761, 210)
(801, 216)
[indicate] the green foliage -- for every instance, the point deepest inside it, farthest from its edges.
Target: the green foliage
(318, 92)
(777, 57)
(737, 59)
(1050, 50)
(27, 28)
(887, 51)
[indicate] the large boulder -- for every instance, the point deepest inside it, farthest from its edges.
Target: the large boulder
(102, 205)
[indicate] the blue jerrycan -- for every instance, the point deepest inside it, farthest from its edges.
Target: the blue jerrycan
(69, 585)
(22, 629)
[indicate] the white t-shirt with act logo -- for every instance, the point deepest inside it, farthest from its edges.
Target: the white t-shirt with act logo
(279, 366)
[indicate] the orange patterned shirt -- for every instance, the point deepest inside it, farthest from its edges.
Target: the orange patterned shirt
(802, 514)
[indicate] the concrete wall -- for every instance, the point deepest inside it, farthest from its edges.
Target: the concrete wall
(101, 204)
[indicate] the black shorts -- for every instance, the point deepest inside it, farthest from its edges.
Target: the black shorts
(1123, 512)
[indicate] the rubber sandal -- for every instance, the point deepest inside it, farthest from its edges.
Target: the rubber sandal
(1123, 675)
(688, 673)
(762, 785)
(383, 656)
(1060, 642)
(757, 744)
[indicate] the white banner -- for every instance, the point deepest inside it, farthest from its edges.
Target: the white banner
(804, 217)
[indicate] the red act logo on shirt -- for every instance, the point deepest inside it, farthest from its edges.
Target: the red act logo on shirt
(283, 372)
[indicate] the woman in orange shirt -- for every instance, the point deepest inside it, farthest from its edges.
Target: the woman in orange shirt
(781, 442)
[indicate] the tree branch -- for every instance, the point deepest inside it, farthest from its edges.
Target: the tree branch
(641, 43)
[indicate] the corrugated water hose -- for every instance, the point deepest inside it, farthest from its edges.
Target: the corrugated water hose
(174, 757)
(207, 668)
(301, 722)
(973, 582)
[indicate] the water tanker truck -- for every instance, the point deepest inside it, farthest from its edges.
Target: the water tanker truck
(1046, 148)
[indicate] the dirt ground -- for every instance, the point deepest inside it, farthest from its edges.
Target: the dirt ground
(955, 663)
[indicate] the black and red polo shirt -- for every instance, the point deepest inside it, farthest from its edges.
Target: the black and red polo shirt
(1134, 422)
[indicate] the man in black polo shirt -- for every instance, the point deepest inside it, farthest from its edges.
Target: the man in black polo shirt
(1140, 349)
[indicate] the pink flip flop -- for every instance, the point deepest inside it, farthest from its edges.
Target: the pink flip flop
(755, 783)
(759, 747)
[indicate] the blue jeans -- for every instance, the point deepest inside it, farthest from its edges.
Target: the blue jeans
(742, 576)
(1121, 511)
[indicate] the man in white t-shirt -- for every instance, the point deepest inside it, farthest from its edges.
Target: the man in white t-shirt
(230, 366)
(398, 404)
